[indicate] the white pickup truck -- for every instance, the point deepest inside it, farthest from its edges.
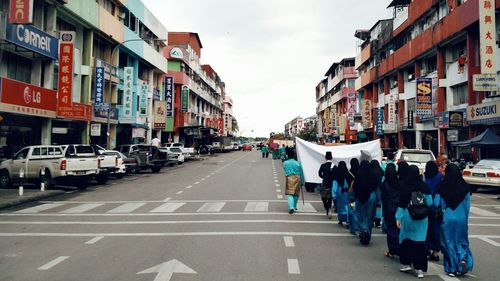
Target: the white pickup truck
(107, 164)
(49, 164)
(188, 152)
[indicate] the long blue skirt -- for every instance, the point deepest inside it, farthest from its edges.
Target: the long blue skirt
(454, 238)
(366, 214)
(342, 201)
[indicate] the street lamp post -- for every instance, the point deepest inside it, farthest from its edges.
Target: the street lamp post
(108, 135)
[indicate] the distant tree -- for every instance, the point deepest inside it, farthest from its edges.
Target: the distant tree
(308, 133)
(235, 125)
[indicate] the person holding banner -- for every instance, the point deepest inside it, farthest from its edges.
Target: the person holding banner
(294, 180)
(326, 174)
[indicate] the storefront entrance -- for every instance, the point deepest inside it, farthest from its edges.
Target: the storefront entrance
(67, 132)
(18, 131)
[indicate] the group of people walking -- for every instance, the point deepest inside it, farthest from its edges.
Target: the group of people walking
(422, 215)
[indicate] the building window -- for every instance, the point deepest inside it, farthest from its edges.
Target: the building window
(18, 68)
(459, 94)
(108, 6)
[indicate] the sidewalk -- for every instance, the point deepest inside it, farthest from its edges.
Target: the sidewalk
(10, 197)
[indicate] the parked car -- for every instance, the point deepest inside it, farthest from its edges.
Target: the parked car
(236, 146)
(206, 149)
(123, 163)
(418, 157)
(50, 164)
(247, 147)
(188, 152)
(107, 164)
(143, 156)
(485, 173)
(174, 155)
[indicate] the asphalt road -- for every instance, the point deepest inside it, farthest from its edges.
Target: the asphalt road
(224, 218)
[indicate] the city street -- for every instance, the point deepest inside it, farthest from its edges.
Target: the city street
(221, 219)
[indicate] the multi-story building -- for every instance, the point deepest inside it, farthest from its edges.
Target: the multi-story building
(228, 116)
(338, 103)
(293, 128)
(62, 107)
(198, 91)
(418, 71)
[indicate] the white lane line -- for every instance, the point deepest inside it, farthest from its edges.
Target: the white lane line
(163, 222)
(126, 208)
(257, 207)
(278, 190)
(306, 208)
(39, 208)
(488, 240)
(197, 182)
(53, 263)
(289, 241)
(81, 208)
(293, 266)
(167, 199)
(94, 240)
(481, 212)
(179, 192)
(185, 201)
(167, 208)
(189, 186)
(279, 196)
(154, 214)
(211, 207)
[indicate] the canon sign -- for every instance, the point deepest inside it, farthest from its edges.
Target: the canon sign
(21, 11)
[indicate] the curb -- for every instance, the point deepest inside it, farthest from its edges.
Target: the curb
(36, 197)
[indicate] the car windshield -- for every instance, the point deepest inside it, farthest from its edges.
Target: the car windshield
(420, 157)
(489, 164)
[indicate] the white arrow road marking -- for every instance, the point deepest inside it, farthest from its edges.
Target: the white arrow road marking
(167, 269)
(94, 240)
(293, 266)
(52, 263)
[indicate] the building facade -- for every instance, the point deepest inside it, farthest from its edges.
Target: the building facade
(418, 70)
(228, 116)
(293, 128)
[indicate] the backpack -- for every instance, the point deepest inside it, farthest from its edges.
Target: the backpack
(417, 207)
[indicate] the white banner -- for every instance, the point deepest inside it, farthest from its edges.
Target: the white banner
(311, 155)
(128, 73)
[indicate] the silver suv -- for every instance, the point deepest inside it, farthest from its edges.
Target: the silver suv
(418, 157)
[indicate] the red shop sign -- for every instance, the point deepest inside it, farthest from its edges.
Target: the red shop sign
(64, 100)
(21, 11)
(27, 98)
(78, 111)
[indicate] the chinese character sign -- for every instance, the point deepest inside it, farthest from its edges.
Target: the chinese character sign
(169, 95)
(391, 111)
(143, 98)
(487, 36)
(65, 83)
(367, 113)
(159, 115)
(184, 99)
(99, 88)
(380, 122)
(424, 97)
(127, 100)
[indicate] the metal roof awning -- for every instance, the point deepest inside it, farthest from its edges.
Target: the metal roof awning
(396, 3)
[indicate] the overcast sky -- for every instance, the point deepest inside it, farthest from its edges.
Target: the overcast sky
(271, 53)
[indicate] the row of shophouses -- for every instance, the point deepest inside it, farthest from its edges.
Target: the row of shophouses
(103, 71)
(422, 79)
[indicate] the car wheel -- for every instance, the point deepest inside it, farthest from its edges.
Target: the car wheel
(119, 175)
(102, 179)
(203, 150)
(156, 169)
(46, 179)
(180, 162)
(4, 179)
(82, 183)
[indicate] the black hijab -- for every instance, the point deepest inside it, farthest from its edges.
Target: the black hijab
(363, 184)
(431, 170)
(391, 176)
(453, 188)
(342, 174)
(379, 173)
(411, 182)
(403, 168)
(354, 166)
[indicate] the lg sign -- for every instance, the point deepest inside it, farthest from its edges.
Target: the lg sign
(32, 96)
(21, 11)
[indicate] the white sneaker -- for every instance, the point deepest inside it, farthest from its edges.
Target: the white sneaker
(405, 268)
(420, 273)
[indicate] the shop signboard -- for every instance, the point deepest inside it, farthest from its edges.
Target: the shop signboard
(103, 113)
(127, 91)
(351, 110)
(142, 91)
(424, 97)
(484, 113)
(169, 95)
(99, 88)
(108, 68)
(159, 115)
(33, 39)
(484, 82)
(156, 94)
(379, 125)
(23, 98)
(327, 118)
(410, 120)
(444, 120)
(21, 11)
(487, 36)
(65, 83)
(391, 110)
(455, 119)
(78, 111)
(184, 98)
(452, 135)
(367, 113)
(342, 124)
(95, 130)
